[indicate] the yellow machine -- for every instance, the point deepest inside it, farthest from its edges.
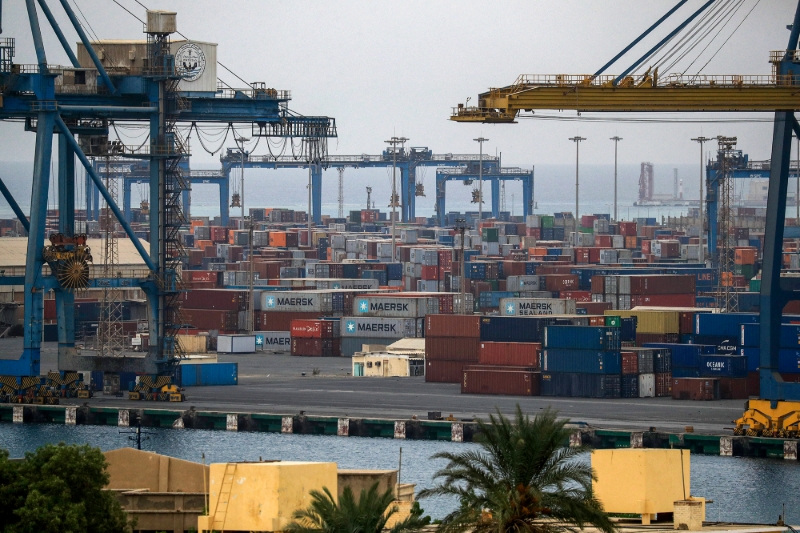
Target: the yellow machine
(761, 419)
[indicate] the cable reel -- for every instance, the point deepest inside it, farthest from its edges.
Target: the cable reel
(69, 258)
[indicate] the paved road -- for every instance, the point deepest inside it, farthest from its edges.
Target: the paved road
(275, 384)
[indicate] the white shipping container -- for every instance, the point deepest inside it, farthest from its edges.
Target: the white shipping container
(366, 284)
(390, 307)
(297, 301)
(236, 344)
(409, 236)
(430, 257)
(338, 242)
(278, 341)
(647, 385)
(623, 302)
(353, 326)
(351, 246)
(600, 225)
(536, 306)
(533, 221)
(522, 283)
(385, 249)
(490, 248)
(608, 257)
(425, 285)
(618, 241)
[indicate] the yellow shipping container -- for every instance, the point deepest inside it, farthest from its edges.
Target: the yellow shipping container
(193, 343)
(650, 321)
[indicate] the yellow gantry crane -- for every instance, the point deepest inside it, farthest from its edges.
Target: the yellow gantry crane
(777, 412)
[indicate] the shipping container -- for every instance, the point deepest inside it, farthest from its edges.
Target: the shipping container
(652, 321)
(452, 326)
(350, 345)
(663, 385)
(315, 347)
(647, 385)
(501, 380)
(722, 324)
(206, 374)
(630, 363)
(444, 371)
(525, 354)
(729, 366)
(379, 327)
(734, 388)
(452, 349)
(297, 301)
(279, 341)
(629, 386)
(235, 344)
(702, 389)
(536, 306)
(582, 337)
(312, 329)
(392, 307)
(580, 385)
(581, 361)
(790, 335)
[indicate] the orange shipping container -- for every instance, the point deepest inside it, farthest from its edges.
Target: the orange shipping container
(745, 256)
(277, 238)
(630, 242)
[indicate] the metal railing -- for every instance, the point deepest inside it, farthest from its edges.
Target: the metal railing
(257, 91)
(667, 80)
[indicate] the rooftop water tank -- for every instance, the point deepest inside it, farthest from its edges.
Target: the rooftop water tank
(161, 22)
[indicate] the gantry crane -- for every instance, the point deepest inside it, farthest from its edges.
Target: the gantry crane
(83, 99)
(777, 412)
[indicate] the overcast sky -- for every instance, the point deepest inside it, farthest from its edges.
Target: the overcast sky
(384, 68)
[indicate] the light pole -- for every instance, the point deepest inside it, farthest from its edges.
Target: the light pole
(616, 140)
(701, 255)
(393, 142)
(480, 140)
(240, 141)
(577, 139)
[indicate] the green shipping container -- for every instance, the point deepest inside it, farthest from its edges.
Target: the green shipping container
(748, 271)
(494, 284)
(548, 221)
(586, 230)
(355, 217)
(755, 285)
(490, 234)
(613, 321)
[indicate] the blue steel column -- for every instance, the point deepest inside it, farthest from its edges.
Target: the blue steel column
(224, 198)
(65, 300)
(495, 196)
(316, 193)
(34, 305)
(403, 168)
(154, 301)
(441, 183)
(527, 195)
(126, 199)
(95, 200)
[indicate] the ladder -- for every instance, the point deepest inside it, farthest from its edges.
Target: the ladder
(221, 509)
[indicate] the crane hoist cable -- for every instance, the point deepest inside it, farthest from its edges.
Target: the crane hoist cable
(119, 138)
(729, 37)
(203, 144)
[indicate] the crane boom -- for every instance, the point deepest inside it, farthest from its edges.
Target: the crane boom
(649, 92)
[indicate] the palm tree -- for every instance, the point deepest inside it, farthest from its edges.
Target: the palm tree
(369, 515)
(522, 480)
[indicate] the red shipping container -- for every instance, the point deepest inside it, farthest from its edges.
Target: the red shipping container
(582, 256)
(700, 389)
(627, 228)
(200, 275)
(646, 247)
(513, 268)
(536, 233)
(733, 389)
(312, 329)
(211, 319)
(578, 296)
(453, 326)
(444, 371)
(663, 385)
(594, 255)
(430, 273)
(587, 221)
(598, 284)
(603, 241)
(452, 348)
(316, 347)
(560, 282)
(282, 321)
(445, 259)
(663, 284)
(225, 299)
(510, 354)
(630, 363)
(501, 380)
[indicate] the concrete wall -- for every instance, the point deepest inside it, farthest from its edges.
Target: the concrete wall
(163, 511)
(134, 469)
(359, 480)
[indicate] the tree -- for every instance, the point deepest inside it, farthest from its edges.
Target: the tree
(369, 515)
(522, 479)
(58, 488)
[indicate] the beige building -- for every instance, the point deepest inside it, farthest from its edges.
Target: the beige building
(387, 365)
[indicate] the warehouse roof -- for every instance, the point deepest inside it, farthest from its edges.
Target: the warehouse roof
(13, 251)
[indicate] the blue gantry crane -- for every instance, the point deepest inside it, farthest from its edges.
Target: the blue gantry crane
(76, 103)
(777, 412)
(494, 175)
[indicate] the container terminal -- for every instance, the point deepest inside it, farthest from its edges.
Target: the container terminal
(150, 304)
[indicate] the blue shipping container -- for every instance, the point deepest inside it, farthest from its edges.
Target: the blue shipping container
(728, 366)
(582, 337)
(207, 374)
(684, 355)
(722, 324)
(580, 385)
(790, 335)
(394, 271)
(788, 360)
(581, 361)
(685, 372)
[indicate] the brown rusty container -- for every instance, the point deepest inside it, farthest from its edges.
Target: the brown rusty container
(630, 363)
(644, 338)
(663, 385)
(208, 319)
(663, 284)
(444, 371)
(560, 282)
(222, 299)
(508, 381)
(594, 308)
(733, 389)
(316, 347)
(700, 389)
(510, 354)
(452, 349)
(453, 326)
